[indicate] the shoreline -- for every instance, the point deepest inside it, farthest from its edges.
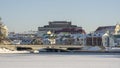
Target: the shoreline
(54, 48)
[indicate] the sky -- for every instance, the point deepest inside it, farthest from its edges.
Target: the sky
(25, 15)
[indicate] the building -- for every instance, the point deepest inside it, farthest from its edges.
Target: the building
(112, 39)
(95, 38)
(104, 29)
(58, 27)
(108, 39)
(65, 33)
(20, 36)
(25, 38)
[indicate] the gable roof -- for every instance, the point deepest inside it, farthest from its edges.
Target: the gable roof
(105, 28)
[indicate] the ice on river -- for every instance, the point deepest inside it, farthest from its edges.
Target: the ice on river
(58, 61)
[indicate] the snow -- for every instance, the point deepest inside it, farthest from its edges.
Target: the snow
(58, 61)
(4, 50)
(91, 48)
(115, 49)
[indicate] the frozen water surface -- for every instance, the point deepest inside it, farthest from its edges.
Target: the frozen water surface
(60, 60)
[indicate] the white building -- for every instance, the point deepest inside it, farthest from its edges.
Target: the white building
(112, 39)
(108, 40)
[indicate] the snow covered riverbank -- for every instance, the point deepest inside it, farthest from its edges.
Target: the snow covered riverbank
(4, 50)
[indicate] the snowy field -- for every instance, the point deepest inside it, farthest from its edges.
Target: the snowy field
(52, 60)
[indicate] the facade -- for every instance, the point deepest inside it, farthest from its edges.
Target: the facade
(112, 39)
(107, 39)
(94, 39)
(70, 39)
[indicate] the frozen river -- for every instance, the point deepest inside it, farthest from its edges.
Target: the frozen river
(60, 60)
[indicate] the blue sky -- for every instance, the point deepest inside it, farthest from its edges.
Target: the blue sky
(24, 15)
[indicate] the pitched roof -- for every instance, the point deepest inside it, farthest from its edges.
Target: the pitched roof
(105, 28)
